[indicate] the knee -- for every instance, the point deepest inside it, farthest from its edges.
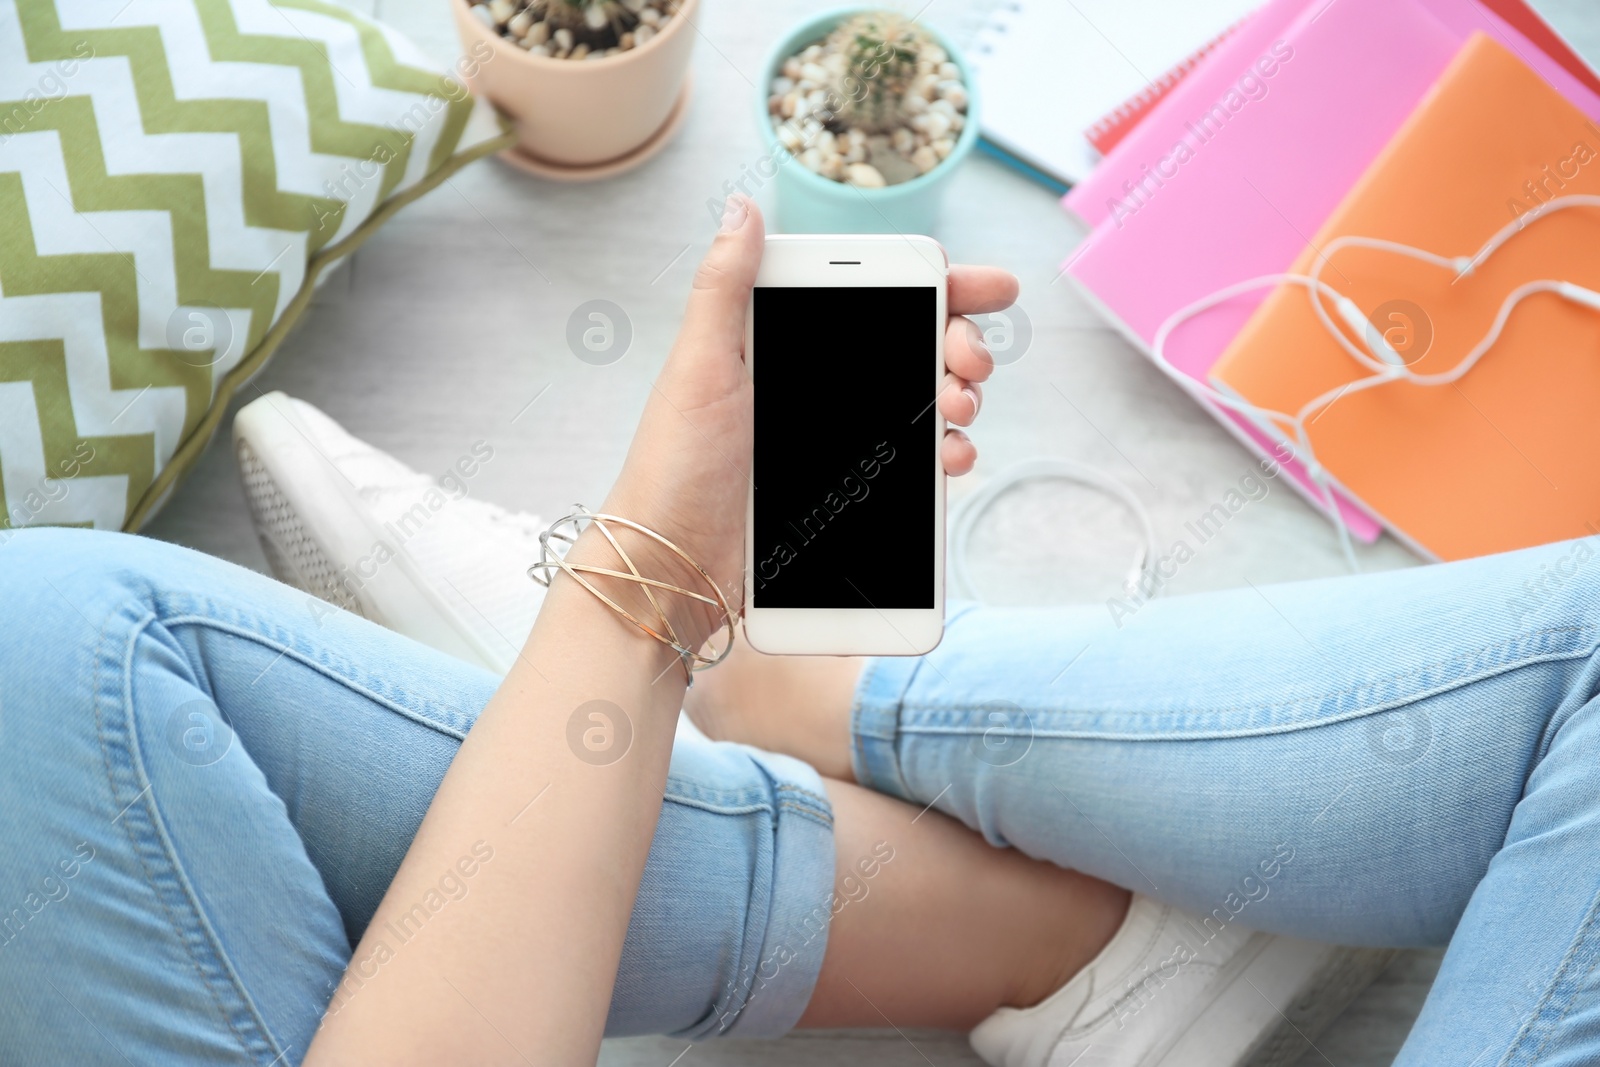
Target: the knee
(55, 583)
(730, 924)
(1557, 580)
(66, 560)
(53, 578)
(64, 593)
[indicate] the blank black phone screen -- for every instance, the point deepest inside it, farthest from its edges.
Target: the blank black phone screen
(845, 382)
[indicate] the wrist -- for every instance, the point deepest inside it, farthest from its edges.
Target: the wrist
(689, 621)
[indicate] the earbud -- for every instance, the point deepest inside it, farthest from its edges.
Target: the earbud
(1579, 295)
(1368, 332)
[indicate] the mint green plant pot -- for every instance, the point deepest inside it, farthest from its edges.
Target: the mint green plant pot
(809, 203)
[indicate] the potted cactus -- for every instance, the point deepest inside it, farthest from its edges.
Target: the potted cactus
(866, 113)
(592, 86)
(575, 29)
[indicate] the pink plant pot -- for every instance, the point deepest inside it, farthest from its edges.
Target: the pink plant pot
(581, 112)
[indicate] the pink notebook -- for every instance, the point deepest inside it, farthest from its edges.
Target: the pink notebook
(1344, 77)
(1154, 136)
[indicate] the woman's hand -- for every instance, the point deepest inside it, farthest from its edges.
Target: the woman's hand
(687, 477)
(687, 474)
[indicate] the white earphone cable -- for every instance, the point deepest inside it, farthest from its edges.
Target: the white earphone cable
(1381, 359)
(970, 511)
(1387, 366)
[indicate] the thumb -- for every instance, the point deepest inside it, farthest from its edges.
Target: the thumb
(713, 326)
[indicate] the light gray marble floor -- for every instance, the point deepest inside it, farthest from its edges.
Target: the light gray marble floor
(443, 328)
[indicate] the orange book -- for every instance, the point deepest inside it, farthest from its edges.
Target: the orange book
(1508, 456)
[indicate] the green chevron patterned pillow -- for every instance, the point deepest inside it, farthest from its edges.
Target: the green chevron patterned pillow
(174, 175)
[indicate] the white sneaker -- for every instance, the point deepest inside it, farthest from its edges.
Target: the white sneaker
(357, 529)
(1173, 990)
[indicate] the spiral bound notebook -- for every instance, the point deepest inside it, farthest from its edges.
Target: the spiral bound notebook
(1109, 131)
(1511, 22)
(1050, 70)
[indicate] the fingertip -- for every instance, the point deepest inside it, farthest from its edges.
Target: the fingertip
(720, 294)
(959, 453)
(966, 353)
(1011, 288)
(735, 210)
(959, 401)
(742, 215)
(980, 290)
(735, 254)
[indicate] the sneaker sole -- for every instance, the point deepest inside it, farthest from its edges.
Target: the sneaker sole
(1245, 1022)
(293, 555)
(319, 538)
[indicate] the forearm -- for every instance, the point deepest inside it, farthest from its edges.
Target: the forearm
(521, 968)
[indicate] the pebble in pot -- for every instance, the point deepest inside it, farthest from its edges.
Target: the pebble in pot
(576, 29)
(876, 103)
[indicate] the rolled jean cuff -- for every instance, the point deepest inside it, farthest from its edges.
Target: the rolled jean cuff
(801, 906)
(875, 725)
(875, 718)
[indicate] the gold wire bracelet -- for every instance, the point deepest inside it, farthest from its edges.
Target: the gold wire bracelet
(581, 517)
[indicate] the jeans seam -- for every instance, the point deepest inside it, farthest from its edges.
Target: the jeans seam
(305, 660)
(1541, 656)
(751, 808)
(800, 796)
(1579, 941)
(859, 705)
(806, 813)
(808, 810)
(141, 843)
(874, 756)
(732, 1011)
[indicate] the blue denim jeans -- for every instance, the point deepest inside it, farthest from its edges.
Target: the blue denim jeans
(204, 793)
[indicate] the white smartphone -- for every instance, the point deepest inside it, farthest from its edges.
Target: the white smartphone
(845, 545)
